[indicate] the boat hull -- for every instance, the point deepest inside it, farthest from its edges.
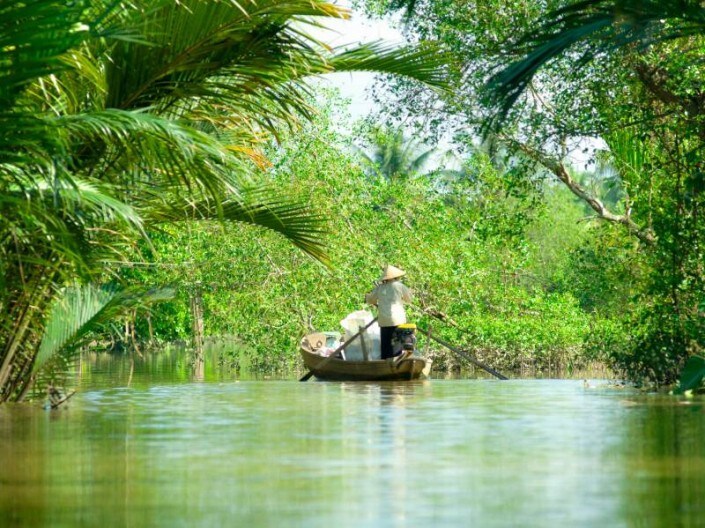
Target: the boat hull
(333, 369)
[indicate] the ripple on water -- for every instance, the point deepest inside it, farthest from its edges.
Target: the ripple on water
(282, 453)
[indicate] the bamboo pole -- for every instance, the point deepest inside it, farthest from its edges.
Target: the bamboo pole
(463, 354)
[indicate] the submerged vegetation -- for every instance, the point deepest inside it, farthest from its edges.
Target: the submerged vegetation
(139, 166)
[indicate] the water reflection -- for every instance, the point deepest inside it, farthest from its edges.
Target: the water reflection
(171, 364)
(666, 469)
(277, 453)
(397, 486)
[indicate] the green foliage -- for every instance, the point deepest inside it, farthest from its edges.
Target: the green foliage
(602, 27)
(395, 157)
(628, 74)
(692, 374)
(81, 311)
(465, 247)
(119, 118)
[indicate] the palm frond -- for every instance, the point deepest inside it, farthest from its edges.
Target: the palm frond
(34, 36)
(46, 219)
(211, 49)
(421, 160)
(27, 142)
(599, 26)
(65, 93)
(80, 310)
(262, 207)
(90, 198)
(38, 45)
(628, 153)
(172, 154)
(428, 64)
(252, 60)
(394, 156)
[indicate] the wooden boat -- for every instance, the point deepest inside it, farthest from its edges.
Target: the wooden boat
(405, 367)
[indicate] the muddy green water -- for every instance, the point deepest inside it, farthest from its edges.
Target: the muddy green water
(168, 451)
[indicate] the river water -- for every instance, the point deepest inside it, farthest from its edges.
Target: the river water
(168, 451)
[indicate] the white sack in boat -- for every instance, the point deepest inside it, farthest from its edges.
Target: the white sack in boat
(352, 324)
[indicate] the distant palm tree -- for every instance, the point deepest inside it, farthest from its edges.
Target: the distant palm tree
(117, 118)
(395, 157)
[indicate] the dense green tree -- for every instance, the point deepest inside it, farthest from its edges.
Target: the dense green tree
(656, 139)
(626, 74)
(118, 119)
(472, 252)
(595, 28)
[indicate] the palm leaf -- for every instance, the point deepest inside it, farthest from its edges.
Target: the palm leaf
(171, 154)
(46, 220)
(418, 163)
(248, 59)
(39, 41)
(629, 154)
(395, 156)
(428, 64)
(92, 198)
(80, 310)
(27, 140)
(262, 207)
(599, 26)
(212, 50)
(34, 36)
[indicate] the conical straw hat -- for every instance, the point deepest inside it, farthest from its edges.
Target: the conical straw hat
(390, 272)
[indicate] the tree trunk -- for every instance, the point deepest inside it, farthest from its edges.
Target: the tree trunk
(197, 328)
(561, 172)
(23, 324)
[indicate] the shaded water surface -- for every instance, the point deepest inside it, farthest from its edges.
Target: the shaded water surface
(282, 453)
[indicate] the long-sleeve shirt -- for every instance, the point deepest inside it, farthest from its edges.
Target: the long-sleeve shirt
(390, 298)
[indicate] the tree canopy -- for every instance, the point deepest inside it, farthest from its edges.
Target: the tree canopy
(121, 119)
(617, 82)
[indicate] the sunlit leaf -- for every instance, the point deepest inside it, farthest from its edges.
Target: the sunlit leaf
(80, 310)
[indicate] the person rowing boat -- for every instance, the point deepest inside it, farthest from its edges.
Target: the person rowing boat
(389, 296)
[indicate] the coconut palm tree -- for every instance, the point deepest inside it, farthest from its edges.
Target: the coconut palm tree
(395, 157)
(116, 118)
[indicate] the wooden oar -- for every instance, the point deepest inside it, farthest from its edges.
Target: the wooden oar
(306, 376)
(463, 354)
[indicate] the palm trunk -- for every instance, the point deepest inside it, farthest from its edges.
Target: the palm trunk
(22, 311)
(22, 320)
